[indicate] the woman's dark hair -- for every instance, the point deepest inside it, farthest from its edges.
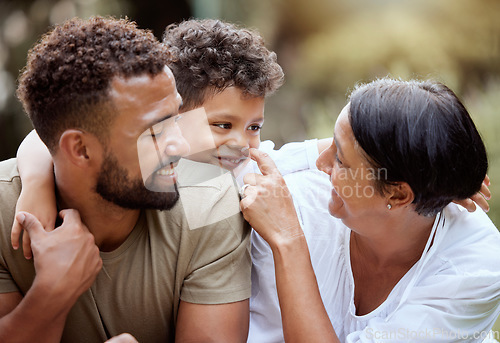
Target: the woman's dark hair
(420, 133)
(210, 55)
(66, 80)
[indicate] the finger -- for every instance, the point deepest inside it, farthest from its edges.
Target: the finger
(15, 234)
(485, 191)
(27, 246)
(487, 180)
(247, 201)
(70, 214)
(264, 161)
(72, 220)
(252, 179)
(481, 202)
(468, 204)
(31, 224)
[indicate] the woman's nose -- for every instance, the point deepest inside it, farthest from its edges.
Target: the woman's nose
(324, 162)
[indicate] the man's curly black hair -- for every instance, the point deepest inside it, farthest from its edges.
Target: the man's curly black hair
(68, 73)
(210, 55)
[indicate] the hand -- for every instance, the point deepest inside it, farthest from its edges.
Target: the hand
(66, 259)
(480, 198)
(44, 210)
(267, 204)
(123, 338)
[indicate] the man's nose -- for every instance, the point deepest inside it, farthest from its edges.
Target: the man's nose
(175, 144)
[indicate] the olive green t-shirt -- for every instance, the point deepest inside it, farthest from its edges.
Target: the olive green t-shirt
(161, 262)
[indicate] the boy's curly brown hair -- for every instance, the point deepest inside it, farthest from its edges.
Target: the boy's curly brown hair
(210, 55)
(67, 76)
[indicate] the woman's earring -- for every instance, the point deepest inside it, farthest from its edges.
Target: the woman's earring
(389, 206)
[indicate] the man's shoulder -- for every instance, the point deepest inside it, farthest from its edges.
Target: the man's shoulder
(8, 171)
(210, 203)
(10, 183)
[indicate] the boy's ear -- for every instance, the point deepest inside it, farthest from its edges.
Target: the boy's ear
(400, 195)
(79, 147)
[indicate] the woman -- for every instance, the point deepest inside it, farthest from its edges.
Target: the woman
(408, 265)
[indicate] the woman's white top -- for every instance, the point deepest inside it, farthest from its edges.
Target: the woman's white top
(451, 294)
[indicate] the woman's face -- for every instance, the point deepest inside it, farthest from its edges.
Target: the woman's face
(354, 197)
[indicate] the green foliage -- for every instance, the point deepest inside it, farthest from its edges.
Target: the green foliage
(326, 47)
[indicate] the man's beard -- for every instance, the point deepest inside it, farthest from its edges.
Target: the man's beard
(114, 185)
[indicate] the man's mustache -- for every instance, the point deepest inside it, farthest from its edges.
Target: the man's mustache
(170, 161)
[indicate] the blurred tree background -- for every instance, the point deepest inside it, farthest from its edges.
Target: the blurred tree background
(324, 46)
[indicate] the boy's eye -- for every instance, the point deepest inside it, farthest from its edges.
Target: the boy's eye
(225, 126)
(254, 127)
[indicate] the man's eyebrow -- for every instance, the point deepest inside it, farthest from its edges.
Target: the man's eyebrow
(168, 116)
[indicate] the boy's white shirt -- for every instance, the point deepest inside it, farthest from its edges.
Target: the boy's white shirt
(290, 158)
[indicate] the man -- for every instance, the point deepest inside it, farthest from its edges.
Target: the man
(99, 93)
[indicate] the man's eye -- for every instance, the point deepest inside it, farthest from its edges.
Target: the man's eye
(225, 126)
(155, 132)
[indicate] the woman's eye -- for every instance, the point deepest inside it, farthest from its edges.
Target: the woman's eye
(338, 160)
(225, 126)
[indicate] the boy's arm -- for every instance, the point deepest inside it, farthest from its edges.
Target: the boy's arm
(480, 198)
(324, 143)
(38, 192)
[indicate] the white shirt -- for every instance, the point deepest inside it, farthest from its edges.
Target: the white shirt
(290, 158)
(452, 293)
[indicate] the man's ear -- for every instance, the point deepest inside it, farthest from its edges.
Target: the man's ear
(400, 195)
(79, 147)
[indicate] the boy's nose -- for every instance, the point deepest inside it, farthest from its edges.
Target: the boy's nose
(239, 140)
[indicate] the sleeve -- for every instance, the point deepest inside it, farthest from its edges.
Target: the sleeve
(9, 191)
(7, 285)
(220, 265)
(446, 308)
(293, 157)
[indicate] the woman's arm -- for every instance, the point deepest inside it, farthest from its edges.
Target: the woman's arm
(268, 207)
(38, 191)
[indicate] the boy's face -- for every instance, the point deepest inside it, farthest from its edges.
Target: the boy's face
(235, 122)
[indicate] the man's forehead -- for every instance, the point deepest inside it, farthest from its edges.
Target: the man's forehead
(144, 88)
(119, 82)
